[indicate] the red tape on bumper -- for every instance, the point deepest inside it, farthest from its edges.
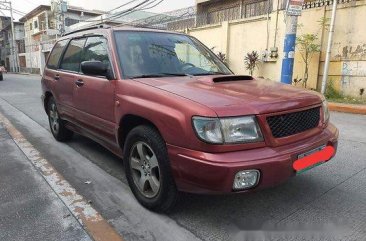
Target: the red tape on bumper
(322, 156)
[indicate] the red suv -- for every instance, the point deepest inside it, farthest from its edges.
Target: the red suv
(178, 117)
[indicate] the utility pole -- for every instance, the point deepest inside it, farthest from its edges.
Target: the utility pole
(294, 8)
(329, 48)
(15, 52)
(7, 6)
(59, 8)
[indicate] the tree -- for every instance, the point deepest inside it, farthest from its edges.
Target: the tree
(251, 61)
(307, 45)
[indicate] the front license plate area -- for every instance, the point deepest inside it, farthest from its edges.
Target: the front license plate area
(308, 154)
(311, 152)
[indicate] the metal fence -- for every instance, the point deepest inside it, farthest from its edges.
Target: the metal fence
(248, 9)
(322, 3)
(189, 18)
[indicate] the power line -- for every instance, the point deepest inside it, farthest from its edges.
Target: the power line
(123, 13)
(14, 10)
(125, 4)
(146, 4)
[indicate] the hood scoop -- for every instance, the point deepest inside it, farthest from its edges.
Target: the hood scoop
(229, 78)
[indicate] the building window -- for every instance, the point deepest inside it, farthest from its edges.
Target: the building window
(71, 21)
(35, 24)
(257, 8)
(31, 26)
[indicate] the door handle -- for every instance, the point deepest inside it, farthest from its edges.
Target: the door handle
(57, 77)
(79, 83)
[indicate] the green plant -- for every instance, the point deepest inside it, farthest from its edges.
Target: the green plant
(307, 46)
(251, 61)
(296, 81)
(332, 92)
(220, 55)
(324, 23)
(333, 95)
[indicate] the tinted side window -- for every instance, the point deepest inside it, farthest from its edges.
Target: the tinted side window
(71, 60)
(56, 54)
(96, 49)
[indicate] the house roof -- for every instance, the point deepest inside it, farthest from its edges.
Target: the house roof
(73, 9)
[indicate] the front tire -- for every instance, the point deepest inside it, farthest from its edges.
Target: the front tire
(148, 169)
(57, 125)
(1, 77)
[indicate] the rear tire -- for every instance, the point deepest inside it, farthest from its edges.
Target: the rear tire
(148, 169)
(57, 125)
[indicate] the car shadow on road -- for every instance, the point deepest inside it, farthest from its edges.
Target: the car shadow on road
(297, 191)
(226, 214)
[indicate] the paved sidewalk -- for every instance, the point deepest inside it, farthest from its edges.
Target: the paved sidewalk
(29, 208)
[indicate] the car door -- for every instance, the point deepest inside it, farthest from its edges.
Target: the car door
(60, 87)
(67, 74)
(94, 96)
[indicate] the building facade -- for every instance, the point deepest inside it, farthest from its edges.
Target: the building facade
(4, 23)
(237, 27)
(9, 49)
(42, 27)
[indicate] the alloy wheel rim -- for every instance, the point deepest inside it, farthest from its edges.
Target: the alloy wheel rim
(54, 119)
(145, 169)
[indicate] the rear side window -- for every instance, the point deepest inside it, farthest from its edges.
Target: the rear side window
(55, 56)
(96, 49)
(72, 57)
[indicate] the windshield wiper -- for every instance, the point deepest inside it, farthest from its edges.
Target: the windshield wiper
(211, 73)
(158, 75)
(177, 74)
(146, 76)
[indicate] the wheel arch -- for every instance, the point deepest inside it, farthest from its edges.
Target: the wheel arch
(129, 122)
(47, 97)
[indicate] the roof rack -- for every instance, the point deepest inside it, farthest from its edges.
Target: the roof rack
(100, 26)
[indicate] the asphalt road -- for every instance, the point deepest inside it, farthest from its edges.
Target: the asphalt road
(326, 203)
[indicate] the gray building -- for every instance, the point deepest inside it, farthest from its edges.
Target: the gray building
(42, 27)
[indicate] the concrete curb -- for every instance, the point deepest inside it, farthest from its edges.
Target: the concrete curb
(348, 108)
(22, 73)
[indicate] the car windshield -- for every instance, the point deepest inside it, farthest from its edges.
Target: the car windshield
(155, 54)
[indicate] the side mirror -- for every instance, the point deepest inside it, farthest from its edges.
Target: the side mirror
(96, 68)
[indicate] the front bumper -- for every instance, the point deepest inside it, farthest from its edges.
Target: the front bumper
(199, 172)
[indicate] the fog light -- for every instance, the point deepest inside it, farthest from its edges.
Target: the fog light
(246, 179)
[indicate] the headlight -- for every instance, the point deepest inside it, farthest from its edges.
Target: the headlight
(208, 129)
(228, 130)
(326, 114)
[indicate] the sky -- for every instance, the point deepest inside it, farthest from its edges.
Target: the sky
(167, 5)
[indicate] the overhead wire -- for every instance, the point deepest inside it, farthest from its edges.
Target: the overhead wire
(146, 4)
(125, 4)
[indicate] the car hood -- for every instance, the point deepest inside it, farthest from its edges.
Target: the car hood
(238, 97)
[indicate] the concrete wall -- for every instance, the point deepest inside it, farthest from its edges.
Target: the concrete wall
(348, 64)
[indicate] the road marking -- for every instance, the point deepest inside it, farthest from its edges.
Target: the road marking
(96, 226)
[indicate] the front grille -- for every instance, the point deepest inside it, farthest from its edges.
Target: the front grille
(294, 123)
